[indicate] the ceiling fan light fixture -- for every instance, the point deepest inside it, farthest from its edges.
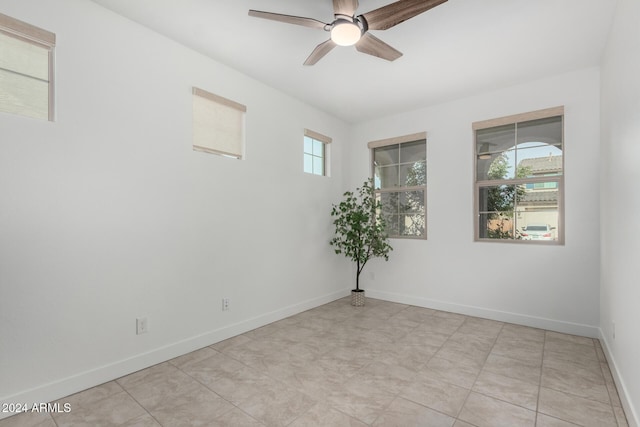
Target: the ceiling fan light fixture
(345, 33)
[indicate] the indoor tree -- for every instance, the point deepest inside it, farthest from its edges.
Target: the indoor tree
(360, 230)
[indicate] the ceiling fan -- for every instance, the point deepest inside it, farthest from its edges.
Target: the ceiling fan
(347, 29)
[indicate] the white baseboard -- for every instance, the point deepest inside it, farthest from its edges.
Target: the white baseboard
(91, 378)
(632, 413)
(502, 316)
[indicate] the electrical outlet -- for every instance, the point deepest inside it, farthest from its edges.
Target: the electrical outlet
(225, 304)
(142, 325)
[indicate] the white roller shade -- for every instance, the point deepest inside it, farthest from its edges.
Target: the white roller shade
(26, 69)
(218, 124)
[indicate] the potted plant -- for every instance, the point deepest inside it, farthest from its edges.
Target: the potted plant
(360, 231)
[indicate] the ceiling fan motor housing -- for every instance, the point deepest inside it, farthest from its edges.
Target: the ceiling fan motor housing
(346, 30)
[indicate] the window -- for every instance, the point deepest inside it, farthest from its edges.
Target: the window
(400, 180)
(26, 69)
(218, 124)
(519, 177)
(316, 147)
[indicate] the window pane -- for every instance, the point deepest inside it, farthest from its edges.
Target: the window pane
(318, 166)
(544, 160)
(389, 211)
(542, 131)
(411, 202)
(500, 199)
(386, 177)
(496, 166)
(413, 152)
(386, 155)
(495, 225)
(496, 139)
(393, 224)
(411, 225)
(389, 202)
(413, 174)
(308, 163)
(318, 148)
(404, 212)
(308, 145)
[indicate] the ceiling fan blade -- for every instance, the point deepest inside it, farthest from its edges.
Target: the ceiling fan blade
(289, 19)
(319, 52)
(393, 14)
(372, 45)
(345, 7)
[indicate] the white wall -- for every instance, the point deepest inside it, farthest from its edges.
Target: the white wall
(620, 203)
(554, 287)
(107, 214)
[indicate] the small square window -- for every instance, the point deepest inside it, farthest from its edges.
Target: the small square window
(315, 153)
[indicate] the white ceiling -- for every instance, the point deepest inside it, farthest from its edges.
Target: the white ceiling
(457, 49)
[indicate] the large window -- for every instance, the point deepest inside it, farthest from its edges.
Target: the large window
(400, 181)
(316, 150)
(519, 177)
(26, 69)
(218, 124)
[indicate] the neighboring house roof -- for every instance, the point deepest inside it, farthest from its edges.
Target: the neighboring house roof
(542, 165)
(539, 197)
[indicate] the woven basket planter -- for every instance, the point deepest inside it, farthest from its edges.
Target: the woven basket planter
(357, 298)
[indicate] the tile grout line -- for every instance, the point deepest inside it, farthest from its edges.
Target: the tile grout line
(478, 375)
(141, 405)
(544, 345)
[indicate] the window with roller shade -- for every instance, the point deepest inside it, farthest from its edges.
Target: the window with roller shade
(26, 69)
(218, 124)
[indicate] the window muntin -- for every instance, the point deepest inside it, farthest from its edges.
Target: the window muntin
(400, 177)
(519, 177)
(26, 69)
(218, 124)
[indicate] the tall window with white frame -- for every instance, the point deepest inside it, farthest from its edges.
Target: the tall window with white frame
(26, 69)
(519, 177)
(399, 167)
(315, 156)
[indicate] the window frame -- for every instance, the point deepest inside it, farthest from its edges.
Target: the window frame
(222, 102)
(559, 179)
(326, 141)
(415, 137)
(39, 37)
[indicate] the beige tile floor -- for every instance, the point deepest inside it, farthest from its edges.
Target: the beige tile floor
(384, 364)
